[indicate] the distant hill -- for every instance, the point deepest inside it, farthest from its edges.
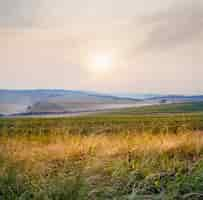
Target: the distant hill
(177, 98)
(57, 101)
(71, 101)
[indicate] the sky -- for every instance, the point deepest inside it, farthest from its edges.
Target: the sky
(148, 46)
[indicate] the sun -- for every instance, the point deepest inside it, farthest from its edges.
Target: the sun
(101, 63)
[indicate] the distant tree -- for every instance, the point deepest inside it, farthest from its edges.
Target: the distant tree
(163, 101)
(29, 107)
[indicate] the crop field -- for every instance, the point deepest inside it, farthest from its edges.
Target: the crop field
(123, 155)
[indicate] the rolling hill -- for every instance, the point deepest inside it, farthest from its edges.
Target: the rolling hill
(57, 101)
(26, 102)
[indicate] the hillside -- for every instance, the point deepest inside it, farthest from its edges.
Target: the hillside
(185, 107)
(71, 101)
(57, 101)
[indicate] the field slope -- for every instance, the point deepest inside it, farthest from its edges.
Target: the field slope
(189, 107)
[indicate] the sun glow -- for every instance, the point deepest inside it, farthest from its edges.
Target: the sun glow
(101, 63)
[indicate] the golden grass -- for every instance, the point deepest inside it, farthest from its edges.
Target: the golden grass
(145, 152)
(103, 161)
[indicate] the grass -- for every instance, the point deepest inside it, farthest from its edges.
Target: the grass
(96, 166)
(118, 156)
(103, 123)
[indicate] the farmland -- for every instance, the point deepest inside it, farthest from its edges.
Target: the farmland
(136, 153)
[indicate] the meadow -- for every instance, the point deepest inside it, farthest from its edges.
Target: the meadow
(130, 154)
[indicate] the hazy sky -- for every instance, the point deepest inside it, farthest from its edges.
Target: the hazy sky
(154, 46)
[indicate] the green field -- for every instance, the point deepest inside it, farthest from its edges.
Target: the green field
(153, 152)
(166, 108)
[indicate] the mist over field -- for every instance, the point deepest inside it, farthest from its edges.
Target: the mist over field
(47, 102)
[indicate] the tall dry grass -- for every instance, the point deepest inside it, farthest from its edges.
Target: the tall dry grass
(145, 152)
(62, 166)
